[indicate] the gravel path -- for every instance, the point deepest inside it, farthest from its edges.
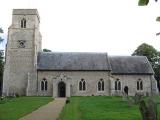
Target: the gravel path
(50, 111)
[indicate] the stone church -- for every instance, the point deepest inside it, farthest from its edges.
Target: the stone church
(31, 72)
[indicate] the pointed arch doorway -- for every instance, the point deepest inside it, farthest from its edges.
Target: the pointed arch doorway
(126, 89)
(61, 89)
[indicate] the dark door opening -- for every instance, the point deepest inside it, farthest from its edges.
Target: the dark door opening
(126, 89)
(61, 89)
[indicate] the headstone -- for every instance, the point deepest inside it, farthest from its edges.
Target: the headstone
(152, 109)
(125, 97)
(148, 112)
(137, 98)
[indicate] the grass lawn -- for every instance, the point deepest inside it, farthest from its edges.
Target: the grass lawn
(100, 108)
(15, 108)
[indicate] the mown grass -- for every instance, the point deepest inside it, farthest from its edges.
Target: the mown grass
(100, 108)
(15, 108)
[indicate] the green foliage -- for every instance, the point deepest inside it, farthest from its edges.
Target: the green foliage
(15, 108)
(143, 2)
(158, 19)
(146, 50)
(1, 67)
(46, 50)
(1, 62)
(1, 31)
(99, 108)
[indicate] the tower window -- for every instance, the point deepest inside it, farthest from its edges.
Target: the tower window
(23, 23)
(21, 43)
(82, 85)
(101, 85)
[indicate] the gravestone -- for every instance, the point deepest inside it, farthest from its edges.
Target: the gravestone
(148, 112)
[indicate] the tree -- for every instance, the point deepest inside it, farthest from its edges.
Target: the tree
(153, 56)
(46, 50)
(1, 69)
(1, 31)
(1, 63)
(144, 2)
(146, 50)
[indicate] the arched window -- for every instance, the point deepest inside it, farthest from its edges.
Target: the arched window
(23, 23)
(117, 85)
(139, 85)
(82, 85)
(101, 85)
(44, 84)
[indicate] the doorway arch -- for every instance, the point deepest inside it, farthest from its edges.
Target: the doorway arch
(61, 89)
(126, 89)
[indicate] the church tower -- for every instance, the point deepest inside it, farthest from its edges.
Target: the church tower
(23, 45)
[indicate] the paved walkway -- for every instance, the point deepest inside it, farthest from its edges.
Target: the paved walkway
(50, 111)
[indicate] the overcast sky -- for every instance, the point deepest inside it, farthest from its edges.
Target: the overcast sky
(114, 26)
